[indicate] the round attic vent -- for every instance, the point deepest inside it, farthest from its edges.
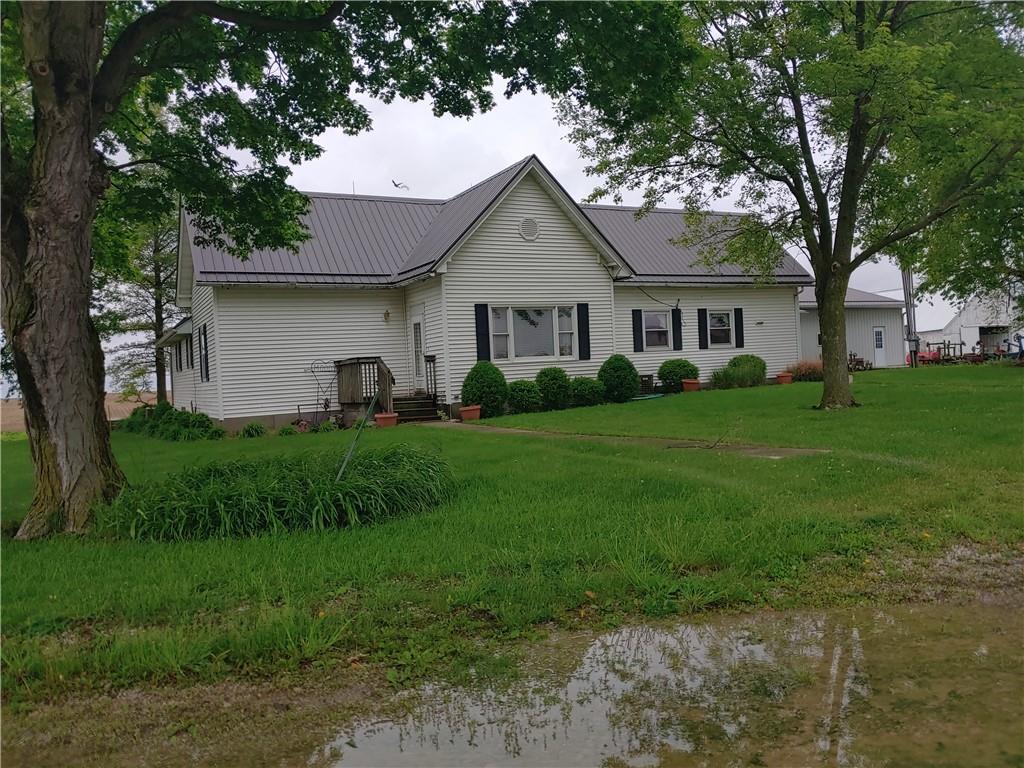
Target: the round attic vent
(529, 229)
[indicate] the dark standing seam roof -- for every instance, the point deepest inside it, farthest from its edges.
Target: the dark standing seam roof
(854, 298)
(647, 244)
(370, 240)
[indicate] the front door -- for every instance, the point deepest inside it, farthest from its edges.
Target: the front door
(878, 334)
(418, 375)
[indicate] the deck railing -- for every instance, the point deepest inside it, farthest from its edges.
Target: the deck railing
(359, 379)
(430, 373)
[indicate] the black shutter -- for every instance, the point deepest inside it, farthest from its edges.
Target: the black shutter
(638, 330)
(702, 328)
(583, 328)
(483, 332)
(677, 328)
(737, 320)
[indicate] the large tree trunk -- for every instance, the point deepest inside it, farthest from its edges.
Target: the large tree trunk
(46, 276)
(831, 298)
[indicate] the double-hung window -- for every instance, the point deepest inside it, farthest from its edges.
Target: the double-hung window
(204, 354)
(177, 355)
(656, 333)
(524, 332)
(720, 327)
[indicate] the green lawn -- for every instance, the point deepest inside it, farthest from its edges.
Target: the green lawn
(542, 529)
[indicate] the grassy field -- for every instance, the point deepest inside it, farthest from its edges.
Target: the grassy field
(542, 529)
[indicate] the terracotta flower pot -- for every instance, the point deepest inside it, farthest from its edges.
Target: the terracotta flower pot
(784, 378)
(386, 419)
(691, 385)
(469, 412)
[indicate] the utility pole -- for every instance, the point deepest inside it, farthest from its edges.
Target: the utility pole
(913, 340)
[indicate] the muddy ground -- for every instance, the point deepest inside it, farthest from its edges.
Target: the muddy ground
(930, 649)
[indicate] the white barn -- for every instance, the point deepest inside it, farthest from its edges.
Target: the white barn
(875, 329)
(984, 324)
(511, 270)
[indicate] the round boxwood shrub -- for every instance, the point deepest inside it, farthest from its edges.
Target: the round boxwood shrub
(672, 372)
(485, 386)
(587, 391)
(753, 362)
(620, 379)
(555, 388)
(253, 429)
(524, 397)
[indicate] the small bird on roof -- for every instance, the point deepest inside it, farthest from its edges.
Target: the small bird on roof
(399, 185)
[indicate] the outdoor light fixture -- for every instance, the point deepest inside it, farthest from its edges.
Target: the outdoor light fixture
(387, 315)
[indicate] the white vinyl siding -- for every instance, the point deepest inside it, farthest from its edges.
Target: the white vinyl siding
(860, 325)
(425, 298)
(188, 390)
(498, 267)
(270, 336)
(769, 325)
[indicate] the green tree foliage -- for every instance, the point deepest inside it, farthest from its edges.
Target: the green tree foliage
(218, 96)
(850, 130)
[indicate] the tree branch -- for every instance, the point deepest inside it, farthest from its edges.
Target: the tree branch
(941, 210)
(115, 73)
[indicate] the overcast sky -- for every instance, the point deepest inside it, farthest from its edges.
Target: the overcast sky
(440, 156)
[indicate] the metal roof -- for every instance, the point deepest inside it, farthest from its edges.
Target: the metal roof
(854, 298)
(362, 240)
(648, 244)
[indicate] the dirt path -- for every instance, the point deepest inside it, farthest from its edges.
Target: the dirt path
(747, 449)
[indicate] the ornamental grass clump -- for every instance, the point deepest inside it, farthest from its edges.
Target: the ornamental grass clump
(252, 497)
(807, 370)
(162, 421)
(741, 371)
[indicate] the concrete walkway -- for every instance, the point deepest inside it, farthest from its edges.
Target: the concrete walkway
(759, 451)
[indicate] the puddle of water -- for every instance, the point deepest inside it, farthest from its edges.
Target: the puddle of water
(912, 685)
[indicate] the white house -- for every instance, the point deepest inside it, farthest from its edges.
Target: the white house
(511, 270)
(984, 324)
(874, 328)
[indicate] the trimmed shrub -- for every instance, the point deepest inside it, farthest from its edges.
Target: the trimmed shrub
(741, 371)
(751, 361)
(326, 425)
(165, 423)
(620, 379)
(250, 497)
(485, 386)
(807, 370)
(287, 431)
(555, 388)
(672, 372)
(524, 397)
(253, 429)
(587, 391)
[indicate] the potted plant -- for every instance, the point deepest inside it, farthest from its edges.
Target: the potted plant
(784, 378)
(691, 385)
(386, 419)
(469, 412)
